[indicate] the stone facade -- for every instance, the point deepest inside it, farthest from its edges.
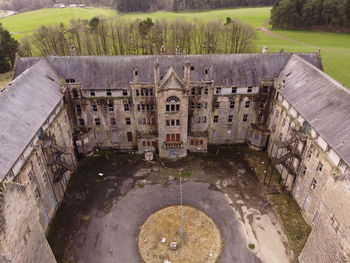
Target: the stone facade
(172, 105)
(170, 116)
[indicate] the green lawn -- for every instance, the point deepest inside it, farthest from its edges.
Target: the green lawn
(24, 23)
(335, 47)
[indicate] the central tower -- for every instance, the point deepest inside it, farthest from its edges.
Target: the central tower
(172, 112)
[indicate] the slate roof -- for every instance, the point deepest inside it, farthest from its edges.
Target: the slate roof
(322, 102)
(102, 72)
(25, 104)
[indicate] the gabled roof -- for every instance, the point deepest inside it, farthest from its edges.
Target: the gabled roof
(322, 102)
(25, 104)
(171, 76)
(102, 72)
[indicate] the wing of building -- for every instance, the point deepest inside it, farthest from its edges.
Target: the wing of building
(171, 105)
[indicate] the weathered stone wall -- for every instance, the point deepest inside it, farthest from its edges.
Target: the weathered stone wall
(312, 178)
(24, 239)
(33, 196)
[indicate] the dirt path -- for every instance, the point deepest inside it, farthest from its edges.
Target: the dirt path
(270, 33)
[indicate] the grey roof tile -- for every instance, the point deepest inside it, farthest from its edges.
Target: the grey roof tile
(323, 102)
(102, 72)
(25, 104)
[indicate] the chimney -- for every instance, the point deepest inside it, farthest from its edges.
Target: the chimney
(265, 49)
(156, 72)
(135, 75)
(187, 73)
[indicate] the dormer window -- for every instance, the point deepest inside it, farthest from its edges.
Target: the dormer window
(136, 72)
(250, 89)
(92, 93)
(109, 92)
(192, 68)
(206, 71)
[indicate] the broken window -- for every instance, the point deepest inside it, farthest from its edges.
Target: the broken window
(113, 122)
(30, 176)
(81, 122)
(75, 93)
(129, 136)
(303, 170)
(110, 107)
(311, 151)
(260, 118)
(218, 91)
(320, 167)
(78, 107)
(37, 193)
(245, 117)
(313, 184)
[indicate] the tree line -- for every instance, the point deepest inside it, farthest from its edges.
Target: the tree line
(332, 15)
(8, 49)
(27, 5)
(183, 5)
(140, 37)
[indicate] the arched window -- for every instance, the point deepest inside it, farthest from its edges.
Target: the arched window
(172, 104)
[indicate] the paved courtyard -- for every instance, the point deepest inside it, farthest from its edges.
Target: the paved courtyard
(101, 217)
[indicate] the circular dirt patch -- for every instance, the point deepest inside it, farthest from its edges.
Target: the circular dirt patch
(201, 241)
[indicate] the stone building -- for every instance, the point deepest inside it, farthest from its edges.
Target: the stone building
(172, 105)
(36, 155)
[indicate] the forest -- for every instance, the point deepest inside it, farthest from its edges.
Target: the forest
(140, 37)
(136, 5)
(331, 15)
(27, 5)
(184, 5)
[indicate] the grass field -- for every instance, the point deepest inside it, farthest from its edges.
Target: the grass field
(21, 24)
(335, 47)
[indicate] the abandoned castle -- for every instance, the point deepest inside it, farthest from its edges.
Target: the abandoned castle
(283, 103)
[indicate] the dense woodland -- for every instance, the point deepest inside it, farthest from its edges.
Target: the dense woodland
(140, 37)
(332, 15)
(26, 5)
(183, 5)
(136, 5)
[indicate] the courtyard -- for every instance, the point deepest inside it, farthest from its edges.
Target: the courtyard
(112, 194)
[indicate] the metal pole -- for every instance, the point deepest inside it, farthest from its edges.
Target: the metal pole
(180, 208)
